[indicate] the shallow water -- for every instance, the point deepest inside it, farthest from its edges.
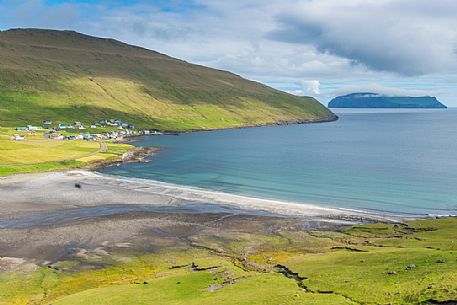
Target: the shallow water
(80, 214)
(394, 161)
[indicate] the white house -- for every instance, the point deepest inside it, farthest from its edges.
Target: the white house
(34, 128)
(17, 137)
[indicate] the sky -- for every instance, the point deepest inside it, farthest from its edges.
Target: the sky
(320, 48)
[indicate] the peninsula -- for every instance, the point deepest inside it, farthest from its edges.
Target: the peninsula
(375, 100)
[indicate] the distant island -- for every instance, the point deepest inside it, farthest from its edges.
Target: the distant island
(375, 100)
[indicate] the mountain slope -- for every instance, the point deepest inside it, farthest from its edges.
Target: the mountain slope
(65, 76)
(374, 100)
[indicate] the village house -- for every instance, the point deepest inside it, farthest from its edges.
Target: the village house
(150, 132)
(17, 137)
(55, 136)
(52, 134)
(33, 128)
(47, 124)
(79, 125)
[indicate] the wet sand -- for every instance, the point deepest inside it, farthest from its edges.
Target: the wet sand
(54, 216)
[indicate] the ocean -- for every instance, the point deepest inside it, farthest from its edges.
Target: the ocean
(401, 162)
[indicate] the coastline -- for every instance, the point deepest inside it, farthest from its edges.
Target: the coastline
(213, 198)
(135, 154)
(329, 119)
(250, 203)
(34, 191)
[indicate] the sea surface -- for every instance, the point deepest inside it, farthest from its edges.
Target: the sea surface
(400, 162)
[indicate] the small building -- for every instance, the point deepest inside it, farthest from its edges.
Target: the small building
(112, 123)
(93, 126)
(47, 124)
(55, 136)
(33, 128)
(22, 129)
(62, 126)
(17, 137)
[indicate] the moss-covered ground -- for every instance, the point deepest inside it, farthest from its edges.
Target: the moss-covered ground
(412, 263)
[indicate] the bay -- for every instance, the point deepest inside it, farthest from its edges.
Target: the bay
(386, 161)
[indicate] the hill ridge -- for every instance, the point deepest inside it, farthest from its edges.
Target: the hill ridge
(70, 76)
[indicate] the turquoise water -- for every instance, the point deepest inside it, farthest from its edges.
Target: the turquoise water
(402, 162)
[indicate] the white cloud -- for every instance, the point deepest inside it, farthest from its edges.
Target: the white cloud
(380, 89)
(404, 36)
(312, 86)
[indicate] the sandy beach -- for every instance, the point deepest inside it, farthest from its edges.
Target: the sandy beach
(57, 191)
(51, 216)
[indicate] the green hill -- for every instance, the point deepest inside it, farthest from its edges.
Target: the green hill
(65, 76)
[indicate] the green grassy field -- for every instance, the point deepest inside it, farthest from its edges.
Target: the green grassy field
(66, 77)
(414, 263)
(37, 154)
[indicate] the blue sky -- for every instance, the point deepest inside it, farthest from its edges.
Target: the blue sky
(321, 48)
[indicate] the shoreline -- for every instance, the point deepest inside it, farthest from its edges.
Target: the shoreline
(138, 153)
(263, 204)
(135, 154)
(216, 198)
(280, 123)
(330, 119)
(36, 191)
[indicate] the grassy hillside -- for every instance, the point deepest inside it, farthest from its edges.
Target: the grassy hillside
(67, 76)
